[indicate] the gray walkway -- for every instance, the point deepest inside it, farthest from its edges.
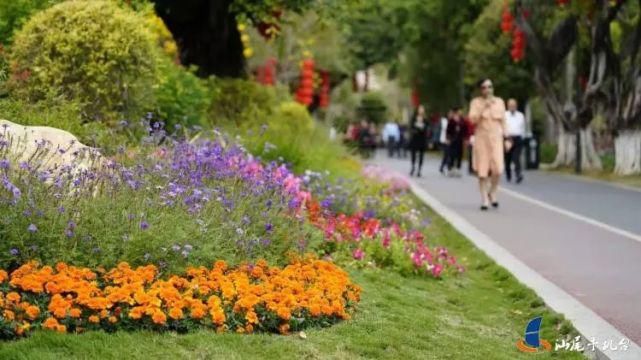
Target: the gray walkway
(597, 265)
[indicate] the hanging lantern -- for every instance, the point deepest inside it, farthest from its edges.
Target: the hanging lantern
(305, 92)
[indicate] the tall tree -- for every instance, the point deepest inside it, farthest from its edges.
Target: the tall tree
(583, 30)
(207, 30)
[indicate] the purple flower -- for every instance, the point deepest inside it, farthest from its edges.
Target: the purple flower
(144, 225)
(69, 233)
(32, 228)
(4, 164)
(14, 252)
(268, 227)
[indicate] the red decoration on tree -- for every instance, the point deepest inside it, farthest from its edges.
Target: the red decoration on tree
(305, 92)
(416, 98)
(269, 30)
(507, 20)
(323, 97)
(518, 45)
(266, 73)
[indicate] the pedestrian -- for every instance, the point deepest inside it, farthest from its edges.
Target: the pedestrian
(392, 138)
(402, 144)
(469, 143)
(487, 113)
(418, 139)
(456, 132)
(442, 140)
(364, 139)
(515, 121)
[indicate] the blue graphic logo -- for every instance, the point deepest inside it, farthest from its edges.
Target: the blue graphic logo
(532, 341)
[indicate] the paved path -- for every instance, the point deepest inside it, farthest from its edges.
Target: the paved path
(583, 236)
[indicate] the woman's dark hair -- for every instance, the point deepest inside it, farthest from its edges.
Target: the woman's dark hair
(480, 82)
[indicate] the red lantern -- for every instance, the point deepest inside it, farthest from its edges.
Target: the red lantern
(507, 20)
(518, 45)
(305, 92)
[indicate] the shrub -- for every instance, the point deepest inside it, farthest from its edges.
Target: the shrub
(91, 51)
(291, 135)
(240, 102)
(183, 98)
(15, 13)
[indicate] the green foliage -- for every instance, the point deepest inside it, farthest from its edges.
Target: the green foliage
(13, 13)
(182, 97)
(289, 134)
(91, 51)
(373, 108)
(548, 153)
(487, 54)
(237, 101)
(65, 115)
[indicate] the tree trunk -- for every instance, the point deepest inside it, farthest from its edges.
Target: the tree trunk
(627, 149)
(207, 35)
(567, 154)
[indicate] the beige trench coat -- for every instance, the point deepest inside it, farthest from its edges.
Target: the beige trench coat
(488, 116)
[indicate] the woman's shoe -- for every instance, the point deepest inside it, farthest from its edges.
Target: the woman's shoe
(484, 207)
(495, 204)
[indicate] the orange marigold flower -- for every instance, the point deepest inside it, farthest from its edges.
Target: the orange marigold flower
(159, 318)
(283, 313)
(50, 323)
(283, 329)
(176, 313)
(198, 312)
(3, 276)
(113, 319)
(9, 315)
(251, 317)
(13, 297)
(32, 312)
(75, 312)
(61, 328)
(94, 319)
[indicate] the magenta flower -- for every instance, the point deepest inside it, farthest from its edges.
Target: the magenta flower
(358, 254)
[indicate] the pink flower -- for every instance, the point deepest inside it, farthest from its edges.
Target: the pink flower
(386, 239)
(358, 254)
(437, 269)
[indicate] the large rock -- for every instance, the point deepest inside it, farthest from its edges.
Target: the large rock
(48, 148)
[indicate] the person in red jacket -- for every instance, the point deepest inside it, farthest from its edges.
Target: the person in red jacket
(469, 140)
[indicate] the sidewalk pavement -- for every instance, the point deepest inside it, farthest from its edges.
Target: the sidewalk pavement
(584, 237)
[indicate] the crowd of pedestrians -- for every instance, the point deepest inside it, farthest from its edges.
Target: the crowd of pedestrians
(490, 136)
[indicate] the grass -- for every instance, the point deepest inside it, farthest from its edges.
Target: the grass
(480, 314)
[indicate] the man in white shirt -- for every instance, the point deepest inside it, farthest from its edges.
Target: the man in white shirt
(515, 132)
(443, 140)
(392, 137)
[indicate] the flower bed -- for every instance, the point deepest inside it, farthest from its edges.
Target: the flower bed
(243, 299)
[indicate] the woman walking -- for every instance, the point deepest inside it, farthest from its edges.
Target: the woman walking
(418, 139)
(487, 113)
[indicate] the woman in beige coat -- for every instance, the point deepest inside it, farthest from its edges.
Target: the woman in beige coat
(487, 113)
